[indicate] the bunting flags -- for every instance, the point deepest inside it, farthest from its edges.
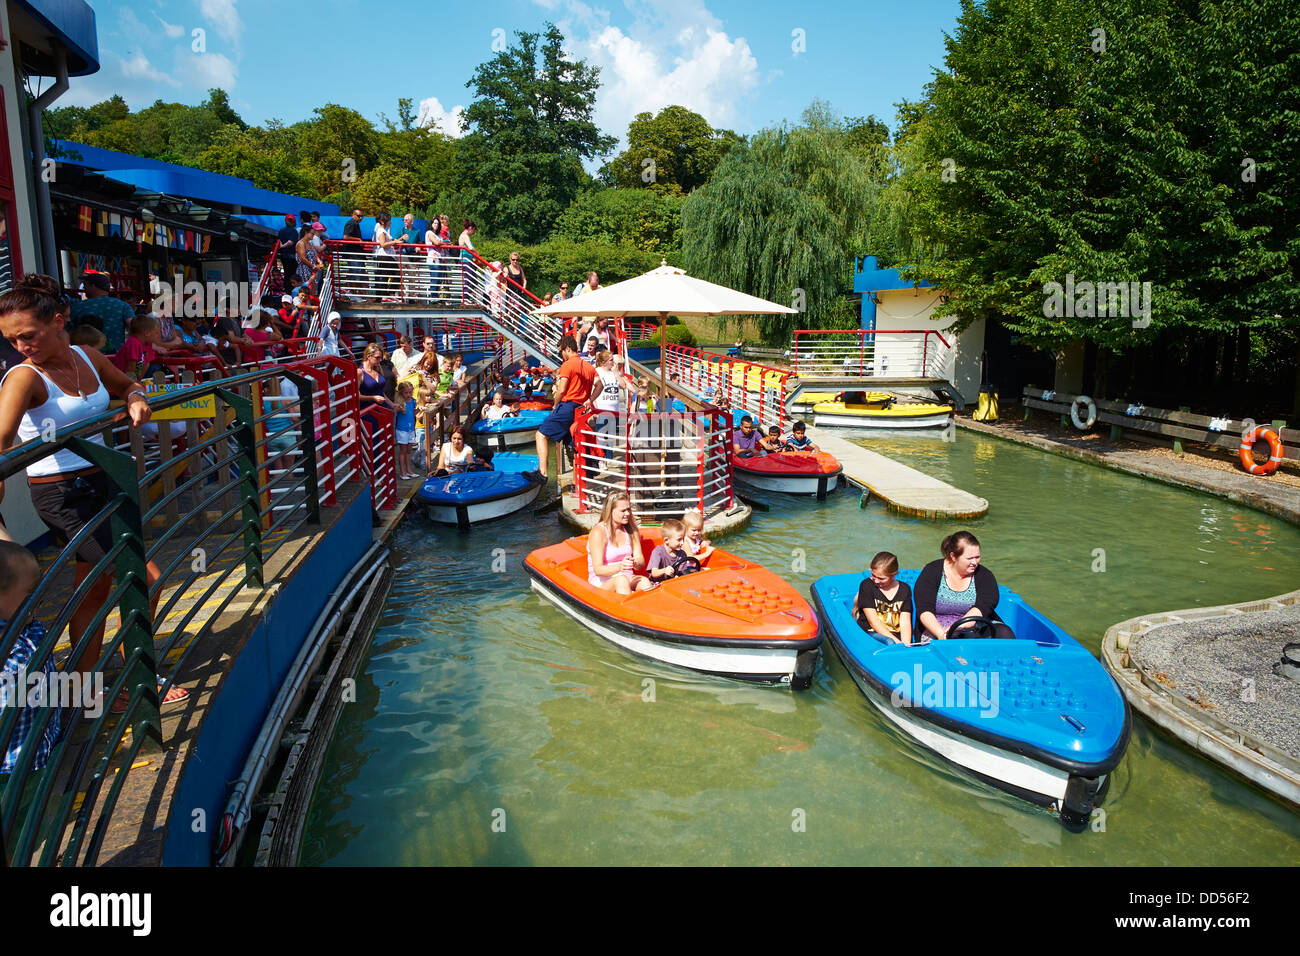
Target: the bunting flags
(135, 230)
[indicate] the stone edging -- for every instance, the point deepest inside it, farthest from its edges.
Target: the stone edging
(1244, 755)
(1258, 502)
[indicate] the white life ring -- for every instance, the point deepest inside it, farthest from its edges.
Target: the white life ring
(1083, 424)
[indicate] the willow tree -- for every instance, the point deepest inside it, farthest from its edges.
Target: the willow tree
(781, 218)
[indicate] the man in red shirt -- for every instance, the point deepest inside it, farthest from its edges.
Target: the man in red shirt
(572, 390)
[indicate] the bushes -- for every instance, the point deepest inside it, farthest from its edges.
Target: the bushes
(677, 335)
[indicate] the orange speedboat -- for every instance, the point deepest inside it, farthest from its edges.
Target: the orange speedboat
(734, 618)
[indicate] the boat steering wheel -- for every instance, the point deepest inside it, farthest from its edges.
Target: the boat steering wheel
(984, 627)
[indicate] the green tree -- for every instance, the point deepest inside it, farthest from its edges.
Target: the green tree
(673, 151)
(1114, 157)
(529, 130)
(389, 188)
(780, 218)
(637, 217)
(250, 154)
(336, 147)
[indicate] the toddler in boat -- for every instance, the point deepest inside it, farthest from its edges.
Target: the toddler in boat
(671, 559)
(696, 544)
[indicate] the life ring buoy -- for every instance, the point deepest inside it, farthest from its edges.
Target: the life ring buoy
(1083, 424)
(1274, 449)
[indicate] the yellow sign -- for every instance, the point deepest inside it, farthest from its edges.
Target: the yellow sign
(202, 407)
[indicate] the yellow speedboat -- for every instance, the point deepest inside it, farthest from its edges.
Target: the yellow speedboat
(876, 410)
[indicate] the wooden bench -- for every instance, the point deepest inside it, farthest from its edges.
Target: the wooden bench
(1159, 425)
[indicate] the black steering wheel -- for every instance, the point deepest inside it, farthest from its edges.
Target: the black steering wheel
(984, 627)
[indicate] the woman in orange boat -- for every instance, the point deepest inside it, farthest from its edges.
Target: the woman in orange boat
(614, 549)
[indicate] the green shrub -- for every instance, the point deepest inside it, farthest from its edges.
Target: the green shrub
(677, 335)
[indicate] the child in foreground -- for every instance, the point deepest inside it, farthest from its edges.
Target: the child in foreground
(19, 573)
(772, 442)
(404, 426)
(696, 544)
(670, 559)
(799, 440)
(884, 604)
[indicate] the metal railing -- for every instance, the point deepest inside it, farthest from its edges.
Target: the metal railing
(192, 516)
(264, 280)
(727, 382)
(871, 353)
(667, 462)
(453, 276)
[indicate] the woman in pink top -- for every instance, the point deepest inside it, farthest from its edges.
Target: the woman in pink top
(614, 549)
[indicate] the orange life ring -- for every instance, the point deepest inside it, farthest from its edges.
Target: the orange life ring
(1274, 447)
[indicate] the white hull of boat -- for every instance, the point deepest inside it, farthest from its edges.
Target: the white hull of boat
(792, 485)
(938, 420)
(771, 665)
(999, 767)
(505, 441)
(484, 511)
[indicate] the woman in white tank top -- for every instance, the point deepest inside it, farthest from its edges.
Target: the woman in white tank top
(54, 389)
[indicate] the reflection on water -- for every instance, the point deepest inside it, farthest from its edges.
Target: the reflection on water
(492, 729)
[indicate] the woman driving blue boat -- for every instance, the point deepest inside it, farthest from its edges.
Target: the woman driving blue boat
(956, 588)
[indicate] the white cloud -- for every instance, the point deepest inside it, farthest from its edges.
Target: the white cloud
(172, 30)
(207, 70)
(225, 16)
(433, 116)
(674, 52)
(138, 67)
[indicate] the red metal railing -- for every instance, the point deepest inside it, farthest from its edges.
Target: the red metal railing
(420, 274)
(760, 390)
(667, 462)
(872, 353)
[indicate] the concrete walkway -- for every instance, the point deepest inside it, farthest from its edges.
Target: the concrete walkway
(1206, 676)
(1274, 498)
(903, 490)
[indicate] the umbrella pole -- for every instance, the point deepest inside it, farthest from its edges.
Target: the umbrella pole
(663, 359)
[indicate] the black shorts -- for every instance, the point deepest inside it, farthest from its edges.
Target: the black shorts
(68, 506)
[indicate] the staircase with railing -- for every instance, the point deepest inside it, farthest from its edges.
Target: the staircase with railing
(447, 277)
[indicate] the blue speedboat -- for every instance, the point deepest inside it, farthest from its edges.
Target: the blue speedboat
(515, 431)
(474, 496)
(1036, 715)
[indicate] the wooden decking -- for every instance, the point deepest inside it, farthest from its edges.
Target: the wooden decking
(903, 489)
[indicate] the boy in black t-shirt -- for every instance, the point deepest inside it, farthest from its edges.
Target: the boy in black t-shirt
(884, 604)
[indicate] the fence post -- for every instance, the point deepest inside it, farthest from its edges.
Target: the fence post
(307, 423)
(131, 564)
(247, 465)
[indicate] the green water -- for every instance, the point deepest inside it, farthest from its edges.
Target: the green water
(491, 729)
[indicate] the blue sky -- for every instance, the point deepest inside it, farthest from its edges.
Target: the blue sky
(734, 61)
